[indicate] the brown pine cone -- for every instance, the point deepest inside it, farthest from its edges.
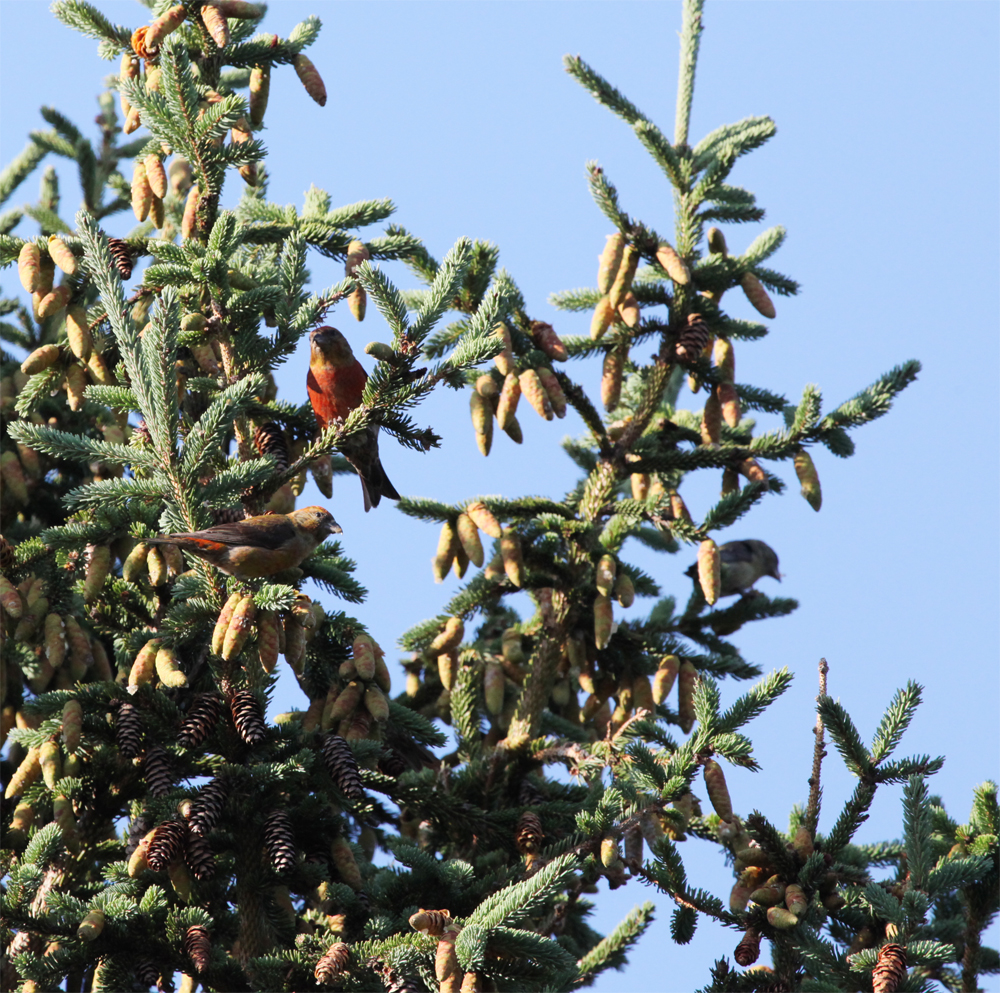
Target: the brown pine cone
(391, 763)
(748, 950)
(121, 256)
(279, 840)
(529, 833)
(692, 339)
(248, 718)
(342, 766)
(202, 716)
(228, 515)
(128, 729)
(157, 771)
(198, 946)
(206, 807)
(166, 845)
(332, 964)
(269, 439)
(890, 970)
(199, 856)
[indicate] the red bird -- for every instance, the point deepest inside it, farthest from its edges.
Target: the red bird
(335, 384)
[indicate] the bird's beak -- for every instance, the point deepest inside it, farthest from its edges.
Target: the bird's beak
(335, 528)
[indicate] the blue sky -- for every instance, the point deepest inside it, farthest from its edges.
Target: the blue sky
(884, 170)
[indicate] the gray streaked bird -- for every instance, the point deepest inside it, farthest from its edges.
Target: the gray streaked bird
(743, 563)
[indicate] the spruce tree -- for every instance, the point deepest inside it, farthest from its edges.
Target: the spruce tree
(159, 830)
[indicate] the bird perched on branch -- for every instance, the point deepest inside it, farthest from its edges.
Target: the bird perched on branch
(743, 563)
(335, 383)
(258, 546)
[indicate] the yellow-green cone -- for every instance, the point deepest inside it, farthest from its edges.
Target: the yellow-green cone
(808, 478)
(144, 665)
(447, 549)
(78, 332)
(604, 575)
(757, 295)
(624, 590)
(718, 791)
(60, 254)
(603, 620)
(260, 88)
(222, 624)
(687, 677)
(534, 393)
(555, 392)
(611, 378)
(40, 359)
(602, 318)
(239, 628)
(709, 570)
(609, 261)
(513, 562)
(509, 396)
(672, 264)
(663, 680)
(483, 518)
(623, 280)
(468, 535)
(169, 670)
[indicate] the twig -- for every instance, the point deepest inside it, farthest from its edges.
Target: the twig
(815, 792)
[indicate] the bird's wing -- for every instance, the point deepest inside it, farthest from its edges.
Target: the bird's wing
(265, 531)
(737, 551)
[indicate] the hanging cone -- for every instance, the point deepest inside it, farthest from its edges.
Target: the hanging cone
(431, 922)
(604, 315)
(332, 964)
(166, 844)
(672, 264)
(748, 950)
(128, 730)
(247, 717)
(554, 390)
(121, 257)
(198, 946)
(513, 560)
(206, 808)
(548, 341)
(609, 261)
(687, 679)
(692, 339)
(808, 478)
(483, 518)
(199, 856)
(269, 439)
(529, 833)
(482, 421)
(202, 716)
(718, 791)
(260, 88)
(890, 970)
(157, 772)
(534, 392)
(729, 401)
(711, 419)
(448, 546)
(342, 767)
(279, 840)
(709, 570)
(468, 535)
(215, 24)
(663, 680)
(623, 280)
(757, 295)
(611, 379)
(310, 79)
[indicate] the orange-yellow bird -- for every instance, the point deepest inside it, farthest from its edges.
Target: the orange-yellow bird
(335, 383)
(258, 546)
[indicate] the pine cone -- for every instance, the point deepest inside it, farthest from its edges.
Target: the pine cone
(207, 807)
(121, 256)
(202, 716)
(748, 950)
(166, 845)
(6, 554)
(228, 515)
(890, 970)
(199, 856)
(148, 973)
(269, 439)
(529, 833)
(693, 339)
(128, 729)
(391, 763)
(342, 766)
(332, 963)
(248, 718)
(528, 794)
(156, 768)
(198, 946)
(279, 840)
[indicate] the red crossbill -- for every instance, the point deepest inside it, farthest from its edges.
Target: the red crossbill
(743, 563)
(335, 383)
(258, 546)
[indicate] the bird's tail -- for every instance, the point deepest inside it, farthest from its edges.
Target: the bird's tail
(376, 486)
